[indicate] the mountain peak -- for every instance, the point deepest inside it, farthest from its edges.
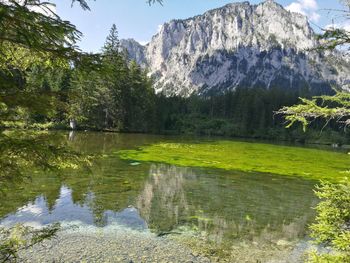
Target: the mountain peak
(271, 3)
(238, 45)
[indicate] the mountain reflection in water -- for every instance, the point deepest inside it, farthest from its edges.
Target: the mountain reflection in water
(216, 206)
(224, 206)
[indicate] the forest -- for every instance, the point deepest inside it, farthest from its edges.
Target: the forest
(128, 171)
(108, 92)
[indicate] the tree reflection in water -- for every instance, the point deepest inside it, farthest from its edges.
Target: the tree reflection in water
(214, 211)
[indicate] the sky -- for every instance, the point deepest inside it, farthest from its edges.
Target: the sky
(136, 19)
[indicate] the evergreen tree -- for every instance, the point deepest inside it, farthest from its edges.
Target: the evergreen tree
(114, 81)
(111, 47)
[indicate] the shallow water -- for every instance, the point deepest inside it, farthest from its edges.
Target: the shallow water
(161, 210)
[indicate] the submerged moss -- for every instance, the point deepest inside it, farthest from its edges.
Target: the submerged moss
(249, 157)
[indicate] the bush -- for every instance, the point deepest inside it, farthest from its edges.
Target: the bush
(332, 227)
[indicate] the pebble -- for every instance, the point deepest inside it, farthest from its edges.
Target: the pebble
(116, 245)
(282, 243)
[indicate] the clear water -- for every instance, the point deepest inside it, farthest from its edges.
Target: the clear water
(217, 213)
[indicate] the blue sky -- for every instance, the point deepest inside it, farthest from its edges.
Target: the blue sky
(135, 19)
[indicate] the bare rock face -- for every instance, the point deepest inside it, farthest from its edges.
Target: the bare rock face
(135, 50)
(239, 45)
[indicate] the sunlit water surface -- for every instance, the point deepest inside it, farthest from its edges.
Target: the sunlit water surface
(218, 214)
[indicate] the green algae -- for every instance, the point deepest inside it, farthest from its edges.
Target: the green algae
(248, 157)
(223, 214)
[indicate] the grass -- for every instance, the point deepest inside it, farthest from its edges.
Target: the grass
(248, 157)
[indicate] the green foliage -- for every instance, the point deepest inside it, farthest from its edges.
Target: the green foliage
(116, 95)
(32, 34)
(19, 237)
(315, 257)
(240, 113)
(21, 152)
(335, 107)
(111, 47)
(107, 92)
(334, 37)
(332, 225)
(33, 42)
(35, 45)
(306, 163)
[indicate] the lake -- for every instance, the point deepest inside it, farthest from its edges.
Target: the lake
(134, 209)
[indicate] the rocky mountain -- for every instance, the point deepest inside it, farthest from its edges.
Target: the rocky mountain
(239, 45)
(135, 50)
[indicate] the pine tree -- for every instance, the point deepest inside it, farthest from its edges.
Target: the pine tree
(112, 44)
(114, 81)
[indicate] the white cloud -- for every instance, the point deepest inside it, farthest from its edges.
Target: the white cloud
(143, 43)
(344, 25)
(159, 28)
(308, 8)
(314, 17)
(311, 4)
(296, 8)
